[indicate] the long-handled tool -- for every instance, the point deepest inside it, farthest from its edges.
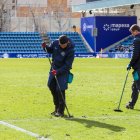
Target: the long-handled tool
(118, 108)
(70, 116)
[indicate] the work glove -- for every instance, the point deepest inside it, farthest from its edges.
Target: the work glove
(128, 67)
(44, 45)
(54, 72)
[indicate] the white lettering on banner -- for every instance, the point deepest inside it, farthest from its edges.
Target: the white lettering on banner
(5, 55)
(121, 55)
(19, 55)
(103, 55)
(31, 55)
(85, 27)
(115, 27)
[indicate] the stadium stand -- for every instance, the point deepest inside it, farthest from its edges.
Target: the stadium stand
(30, 42)
(80, 47)
(20, 42)
(124, 47)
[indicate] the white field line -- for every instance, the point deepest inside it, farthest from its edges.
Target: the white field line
(53, 118)
(23, 130)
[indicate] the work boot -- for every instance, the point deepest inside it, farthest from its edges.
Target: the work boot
(128, 106)
(55, 111)
(58, 114)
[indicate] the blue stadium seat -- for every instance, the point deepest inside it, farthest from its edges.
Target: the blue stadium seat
(27, 42)
(125, 46)
(13, 42)
(74, 36)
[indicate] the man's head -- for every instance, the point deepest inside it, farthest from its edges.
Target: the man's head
(63, 41)
(134, 29)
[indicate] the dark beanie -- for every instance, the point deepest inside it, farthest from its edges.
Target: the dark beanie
(63, 39)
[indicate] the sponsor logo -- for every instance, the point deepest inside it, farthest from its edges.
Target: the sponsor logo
(85, 27)
(19, 55)
(106, 27)
(122, 55)
(5, 55)
(115, 27)
(63, 53)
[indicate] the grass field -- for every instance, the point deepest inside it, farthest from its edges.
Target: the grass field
(26, 102)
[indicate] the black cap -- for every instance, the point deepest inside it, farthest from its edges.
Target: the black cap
(63, 39)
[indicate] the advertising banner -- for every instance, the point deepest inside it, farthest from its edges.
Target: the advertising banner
(112, 29)
(103, 31)
(81, 55)
(87, 28)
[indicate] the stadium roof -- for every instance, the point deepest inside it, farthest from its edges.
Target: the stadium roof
(103, 4)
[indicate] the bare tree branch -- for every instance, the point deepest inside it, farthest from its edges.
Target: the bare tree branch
(34, 19)
(3, 14)
(61, 14)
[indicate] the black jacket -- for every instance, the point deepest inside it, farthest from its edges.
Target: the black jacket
(62, 60)
(135, 60)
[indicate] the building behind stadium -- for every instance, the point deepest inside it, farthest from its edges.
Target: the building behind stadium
(52, 15)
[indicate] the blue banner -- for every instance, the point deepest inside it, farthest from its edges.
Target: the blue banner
(87, 27)
(109, 30)
(113, 55)
(112, 29)
(23, 55)
(81, 55)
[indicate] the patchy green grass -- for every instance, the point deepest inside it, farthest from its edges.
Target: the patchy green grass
(26, 102)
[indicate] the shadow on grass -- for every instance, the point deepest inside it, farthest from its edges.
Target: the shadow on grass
(137, 109)
(91, 123)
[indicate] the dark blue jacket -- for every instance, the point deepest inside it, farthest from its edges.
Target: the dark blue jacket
(62, 60)
(135, 60)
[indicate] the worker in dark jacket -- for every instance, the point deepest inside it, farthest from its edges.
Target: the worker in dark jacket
(135, 64)
(62, 51)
